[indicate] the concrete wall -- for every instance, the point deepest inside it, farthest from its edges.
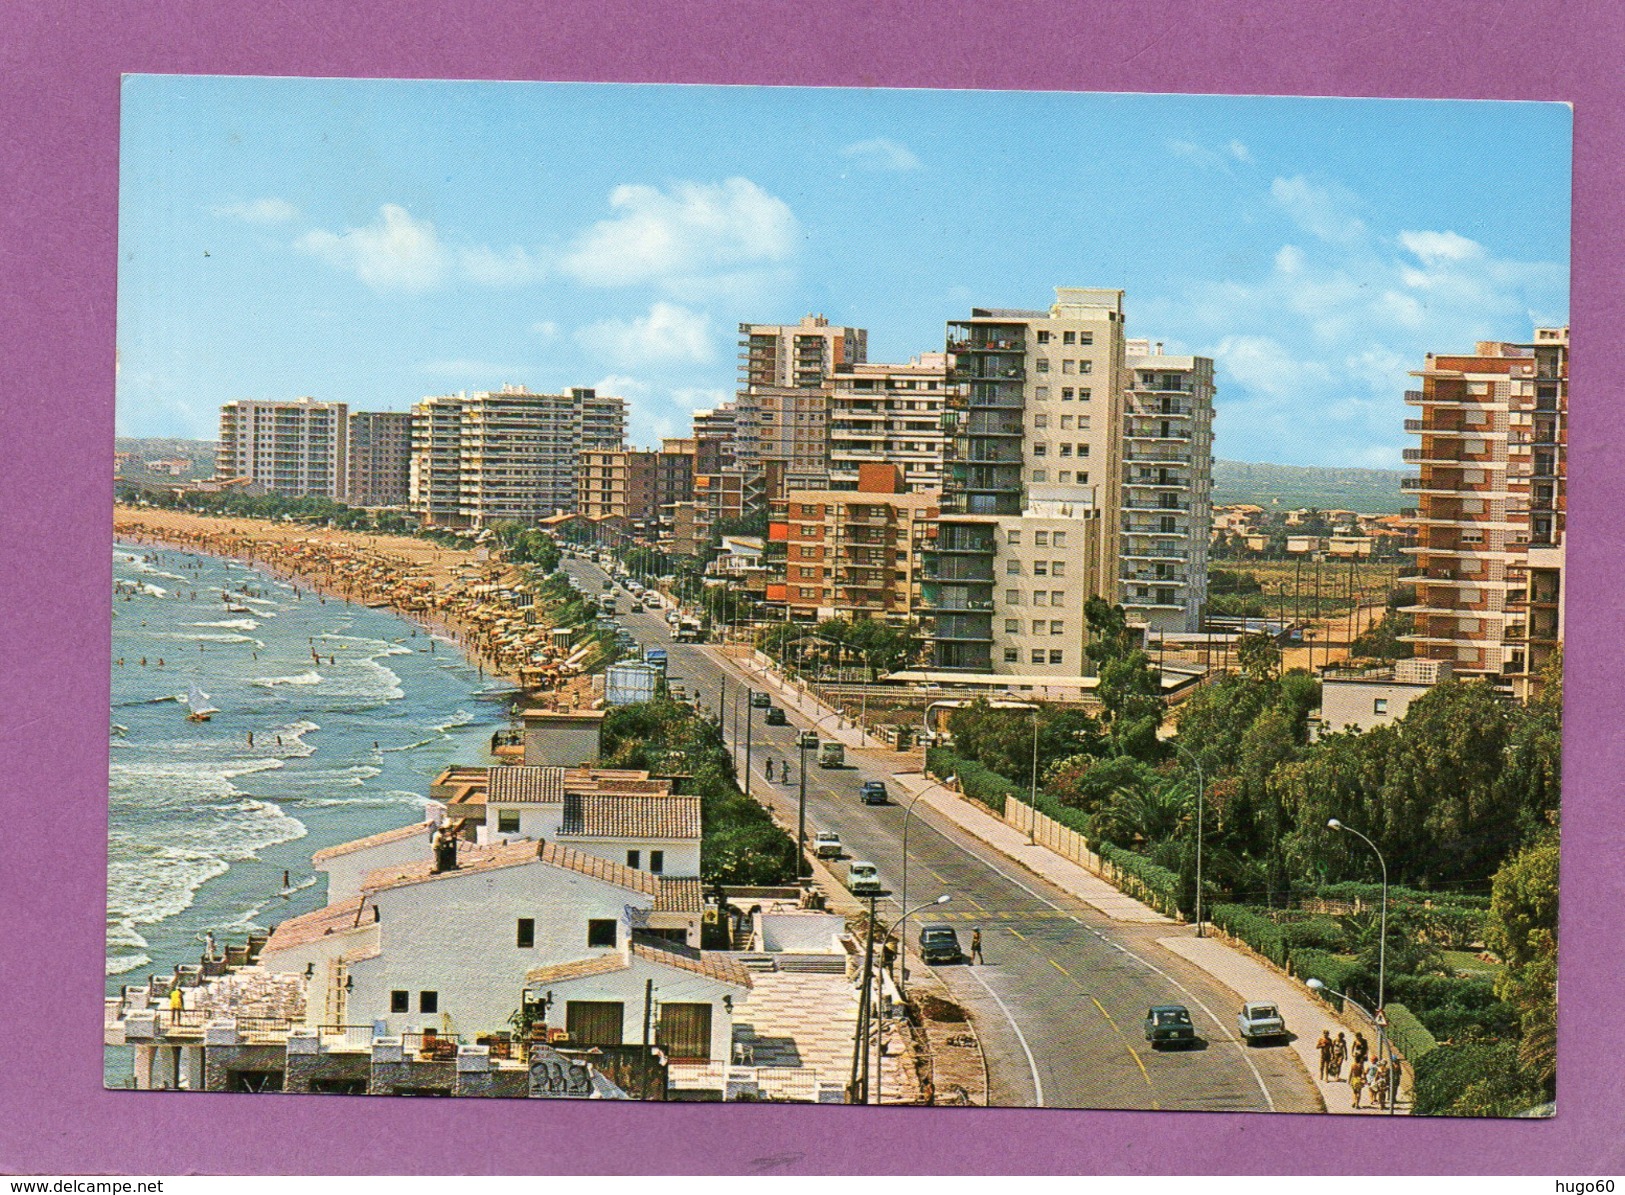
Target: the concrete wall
(672, 986)
(345, 872)
(682, 855)
(1345, 703)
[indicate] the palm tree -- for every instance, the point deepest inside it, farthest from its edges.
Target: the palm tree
(1152, 812)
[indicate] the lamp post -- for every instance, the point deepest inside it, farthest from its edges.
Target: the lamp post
(749, 693)
(857, 1092)
(902, 944)
(1032, 796)
(1382, 940)
(801, 810)
(902, 953)
(1201, 802)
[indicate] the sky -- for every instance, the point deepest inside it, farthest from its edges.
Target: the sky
(376, 242)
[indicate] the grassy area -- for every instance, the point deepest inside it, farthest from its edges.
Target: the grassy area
(1466, 963)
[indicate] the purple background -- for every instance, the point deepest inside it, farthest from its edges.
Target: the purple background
(58, 225)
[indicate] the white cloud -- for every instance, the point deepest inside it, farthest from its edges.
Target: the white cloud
(1212, 159)
(492, 267)
(546, 329)
(1239, 151)
(397, 253)
(1319, 209)
(882, 153)
(258, 211)
(689, 231)
(668, 334)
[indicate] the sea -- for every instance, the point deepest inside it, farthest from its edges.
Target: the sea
(330, 722)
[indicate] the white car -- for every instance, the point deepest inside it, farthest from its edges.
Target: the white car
(1258, 1021)
(827, 844)
(651, 601)
(862, 877)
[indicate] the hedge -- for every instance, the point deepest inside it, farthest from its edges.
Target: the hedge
(975, 781)
(1315, 933)
(1371, 894)
(1338, 974)
(1426, 992)
(1157, 886)
(1409, 1035)
(1258, 931)
(1444, 1074)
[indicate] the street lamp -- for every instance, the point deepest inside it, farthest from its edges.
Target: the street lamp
(902, 956)
(802, 747)
(1201, 793)
(1316, 986)
(1382, 940)
(1032, 798)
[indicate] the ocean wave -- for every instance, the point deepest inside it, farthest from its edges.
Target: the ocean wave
(201, 637)
(149, 700)
(459, 718)
(311, 677)
(230, 624)
(353, 776)
(119, 964)
(392, 799)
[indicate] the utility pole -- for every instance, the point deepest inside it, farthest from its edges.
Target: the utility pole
(749, 694)
(648, 1015)
(858, 1088)
(801, 810)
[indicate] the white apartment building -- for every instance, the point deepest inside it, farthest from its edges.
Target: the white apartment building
(782, 406)
(298, 448)
(508, 454)
(888, 414)
(1034, 419)
(1167, 487)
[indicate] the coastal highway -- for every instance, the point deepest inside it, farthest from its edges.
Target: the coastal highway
(1061, 1001)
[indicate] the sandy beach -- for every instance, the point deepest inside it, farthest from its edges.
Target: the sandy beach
(448, 591)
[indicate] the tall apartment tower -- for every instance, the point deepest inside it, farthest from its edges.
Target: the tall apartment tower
(380, 458)
(1488, 561)
(1167, 487)
(888, 415)
(507, 454)
(297, 448)
(618, 483)
(782, 403)
(1032, 485)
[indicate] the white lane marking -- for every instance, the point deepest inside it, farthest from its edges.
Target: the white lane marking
(988, 863)
(1032, 1066)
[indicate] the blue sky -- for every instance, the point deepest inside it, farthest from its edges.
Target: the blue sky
(375, 242)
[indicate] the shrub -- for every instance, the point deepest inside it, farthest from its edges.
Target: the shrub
(1143, 879)
(1258, 931)
(1315, 933)
(1426, 992)
(1338, 974)
(975, 781)
(1408, 1034)
(1457, 1022)
(1445, 1076)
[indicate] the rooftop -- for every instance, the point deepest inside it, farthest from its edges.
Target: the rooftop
(473, 860)
(621, 815)
(712, 964)
(313, 926)
(525, 783)
(679, 895)
(398, 834)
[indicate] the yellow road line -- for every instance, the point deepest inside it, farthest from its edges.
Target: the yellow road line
(1132, 1052)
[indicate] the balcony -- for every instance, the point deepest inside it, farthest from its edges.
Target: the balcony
(1165, 437)
(988, 344)
(1156, 507)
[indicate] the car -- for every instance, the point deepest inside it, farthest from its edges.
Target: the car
(775, 716)
(862, 876)
(673, 615)
(827, 844)
(761, 700)
(808, 740)
(831, 755)
(872, 792)
(939, 944)
(1260, 1021)
(1169, 1024)
(651, 601)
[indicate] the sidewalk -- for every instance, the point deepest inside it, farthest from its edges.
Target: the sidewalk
(1244, 975)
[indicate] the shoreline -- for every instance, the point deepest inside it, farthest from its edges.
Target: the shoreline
(417, 581)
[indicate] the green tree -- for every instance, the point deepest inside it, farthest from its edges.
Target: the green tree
(1258, 656)
(1522, 929)
(1143, 814)
(1086, 781)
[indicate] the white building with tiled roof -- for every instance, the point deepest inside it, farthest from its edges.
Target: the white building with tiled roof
(419, 947)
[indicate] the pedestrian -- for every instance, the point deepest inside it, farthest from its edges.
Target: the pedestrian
(1324, 1048)
(770, 769)
(1356, 1080)
(251, 738)
(976, 945)
(1379, 1083)
(176, 1003)
(1340, 1050)
(1362, 1049)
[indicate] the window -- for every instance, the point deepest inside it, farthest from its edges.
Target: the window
(1379, 705)
(1043, 336)
(400, 1000)
(1064, 476)
(1012, 597)
(1058, 539)
(1067, 393)
(1066, 366)
(657, 861)
(1066, 450)
(1042, 364)
(1012, 537)
(634, 859)
(1039, 568)
(1038, 655)
(1069, 338)
(428, 1001)
(1083, 478)
(1086, 367)
(507, 821)
(1040, 420)
(1012, 626)
(1083, 395)
(1013, 567)
(1041, 393)
(1040, 474)
(1057, 597)
(1066, 423)
(1041, 539)
(1040, 448)
(1086, 337)
(601, 932)
(1038, 626)
(807, 593)
(525, 935)
(1057, 568)
(1057, 627)
(1057, 656)
(1083, 449)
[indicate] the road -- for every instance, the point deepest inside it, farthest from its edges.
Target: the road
(1060, 1002)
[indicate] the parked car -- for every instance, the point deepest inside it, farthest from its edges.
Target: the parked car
(651, 601)
(1169, 1024)
(832, 755)
(1260, 1021)
(761, 700)
(827, 844)
(939, 944)
(872, 792)
(808, 741)
(862, 877)
(775, 716)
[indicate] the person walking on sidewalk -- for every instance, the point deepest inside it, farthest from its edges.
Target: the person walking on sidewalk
(1340, 1049)
(976, 945)
(1357, 1080)
(1324, 1048)
(1379, 1083)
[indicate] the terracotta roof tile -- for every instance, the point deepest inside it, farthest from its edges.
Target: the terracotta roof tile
(580, 969)
(712, 964)
(524, 782)
(399, 833)
(599, 869)
(627, 816)
(313, 926)
(679, 895)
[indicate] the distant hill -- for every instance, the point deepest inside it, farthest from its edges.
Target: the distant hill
(1368, 491)
(198, 455)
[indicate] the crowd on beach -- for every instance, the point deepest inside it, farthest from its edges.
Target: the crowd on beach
(448, 592)
(1369, 1075)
